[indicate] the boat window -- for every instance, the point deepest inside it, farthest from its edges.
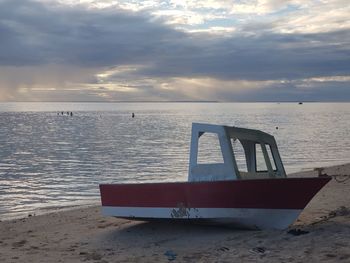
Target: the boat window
(272, 160)
(209, 149)
(238, 151)
(260, 160)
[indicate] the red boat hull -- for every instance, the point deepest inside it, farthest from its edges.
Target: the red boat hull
(263, 203)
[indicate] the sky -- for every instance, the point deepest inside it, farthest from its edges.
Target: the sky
(240, 50)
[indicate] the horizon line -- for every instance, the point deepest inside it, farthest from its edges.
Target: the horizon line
(185, 101)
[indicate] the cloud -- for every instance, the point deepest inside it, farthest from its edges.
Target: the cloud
(79, 36)
(265, 57)
(73, 49)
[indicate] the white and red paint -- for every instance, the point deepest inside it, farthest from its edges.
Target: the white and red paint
(262, 203)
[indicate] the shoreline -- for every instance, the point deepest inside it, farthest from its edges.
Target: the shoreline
(49, 210)
(53, 209)
(82, 234)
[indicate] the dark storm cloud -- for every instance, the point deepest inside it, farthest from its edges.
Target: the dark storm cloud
(263, 57)
(32, 33)
(35, 33)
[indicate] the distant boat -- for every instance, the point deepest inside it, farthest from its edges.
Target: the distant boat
(220, 192)
(300, 103)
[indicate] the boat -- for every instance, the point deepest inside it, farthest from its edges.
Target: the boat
(252, 193)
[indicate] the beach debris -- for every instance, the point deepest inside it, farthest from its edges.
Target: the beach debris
(171, 255)
(91, 256)
(258, 250)
(19, 243)
(34, 247)
(341, 211)
(297, 232)
(223, 249)
(95, 256)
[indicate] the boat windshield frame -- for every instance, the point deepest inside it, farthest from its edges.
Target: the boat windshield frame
(229, 170)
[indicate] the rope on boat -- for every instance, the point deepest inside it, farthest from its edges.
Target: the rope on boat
(344, 179)
(339, 178)
(340, 211)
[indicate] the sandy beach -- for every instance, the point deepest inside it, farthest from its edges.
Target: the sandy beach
(83, 235)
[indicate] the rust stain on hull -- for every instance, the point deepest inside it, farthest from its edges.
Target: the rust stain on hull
(180, 212)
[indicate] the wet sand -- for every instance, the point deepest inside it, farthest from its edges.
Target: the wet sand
(83, 235)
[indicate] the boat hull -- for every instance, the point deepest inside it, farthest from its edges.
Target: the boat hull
(263, 204)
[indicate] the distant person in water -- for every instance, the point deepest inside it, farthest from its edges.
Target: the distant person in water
(71, 113)
(132, 115)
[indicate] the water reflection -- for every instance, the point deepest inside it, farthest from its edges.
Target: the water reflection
(49, 160)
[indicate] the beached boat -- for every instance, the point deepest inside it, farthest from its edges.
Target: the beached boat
(255, 193)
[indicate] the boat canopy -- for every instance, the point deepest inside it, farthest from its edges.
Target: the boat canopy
(257, 157)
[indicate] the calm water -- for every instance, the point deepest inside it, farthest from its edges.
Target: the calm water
(49, 161)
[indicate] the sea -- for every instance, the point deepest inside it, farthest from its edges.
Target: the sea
(51, 160)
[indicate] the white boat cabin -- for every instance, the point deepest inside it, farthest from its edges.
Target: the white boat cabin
(241, 154)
